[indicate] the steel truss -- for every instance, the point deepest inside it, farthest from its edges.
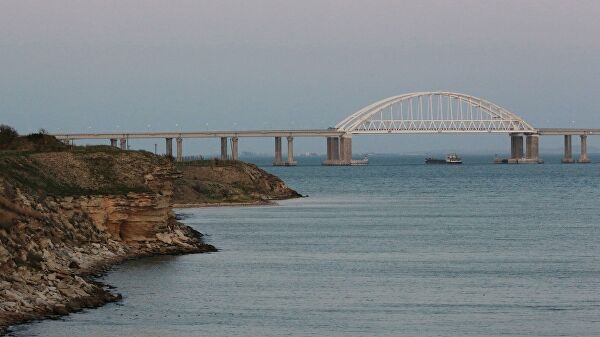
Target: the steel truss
(433, 112)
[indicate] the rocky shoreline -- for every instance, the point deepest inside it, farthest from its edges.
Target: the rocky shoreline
(68, 290)
(68, 215)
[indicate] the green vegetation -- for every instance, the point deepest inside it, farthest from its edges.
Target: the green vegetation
(25, 173)
(81, 170)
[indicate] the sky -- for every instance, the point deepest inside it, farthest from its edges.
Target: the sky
(146, 65)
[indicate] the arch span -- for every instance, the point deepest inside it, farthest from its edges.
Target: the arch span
(433, 112)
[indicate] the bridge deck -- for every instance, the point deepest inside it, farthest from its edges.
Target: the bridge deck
(284, 133)
(204, 134)
(567, 131)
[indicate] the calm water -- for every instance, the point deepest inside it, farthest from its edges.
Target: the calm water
(394, 248)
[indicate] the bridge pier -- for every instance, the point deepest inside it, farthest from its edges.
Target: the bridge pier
(113, 142)
(123, 143)
(516, 148)
(346, 149)
(333, 149)
(179, 149)
(329, 148)
(339, 152)
(169, 147)
(336, 148)
(290, 153)
(278, 161)
(568, 157)
(223, 148)
(583, 158)
(234, 148)
(533, 148)
(532, 152)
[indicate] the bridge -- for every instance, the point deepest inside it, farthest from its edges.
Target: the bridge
(436, 112)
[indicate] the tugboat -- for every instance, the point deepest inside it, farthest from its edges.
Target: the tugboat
(451, 158)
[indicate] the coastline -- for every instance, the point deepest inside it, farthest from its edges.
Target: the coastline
(226, 204)
(72, 215)
(94, 294)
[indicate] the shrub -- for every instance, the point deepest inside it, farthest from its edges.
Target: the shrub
(7, 134)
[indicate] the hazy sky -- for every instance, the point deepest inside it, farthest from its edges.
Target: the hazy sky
(71, 66)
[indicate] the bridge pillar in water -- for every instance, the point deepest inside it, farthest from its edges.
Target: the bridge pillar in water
(169, 147)
(223, 148)
(290, 152)
(234, 148)
(516, 148)
(335, 148)
(113, 142)
(568, 158)
(333, 151)
(123, 143)
(346, 148)
(533, 148)
(583, 158)
(278, 156)
(179, 149)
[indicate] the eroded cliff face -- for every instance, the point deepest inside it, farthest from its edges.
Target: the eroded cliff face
(66, 215)
(134, 216)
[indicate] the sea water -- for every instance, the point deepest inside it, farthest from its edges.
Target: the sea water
(396, 248)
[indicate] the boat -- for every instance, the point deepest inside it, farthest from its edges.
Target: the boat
(451, 158)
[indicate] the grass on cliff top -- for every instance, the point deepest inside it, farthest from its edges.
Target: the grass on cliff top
(20, 164)
(24, 172)
(22, 169)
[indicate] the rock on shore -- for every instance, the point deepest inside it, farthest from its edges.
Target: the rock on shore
(68, 215)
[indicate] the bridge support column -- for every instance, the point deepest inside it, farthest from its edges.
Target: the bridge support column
(329, 149)
(223, 148)
(179, 149)
(234, 148)
(290, 152)
(278, 156)
(533, 145)
(169, 147)
(583, 158)
(113, 142)
(123, 143)
(333, 151)
(346, 149)
(335, 148)
(568, 158)
(516, 148)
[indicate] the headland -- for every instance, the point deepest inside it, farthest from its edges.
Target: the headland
(67, 214)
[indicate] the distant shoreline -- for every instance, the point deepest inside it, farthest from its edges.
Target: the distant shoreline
(225, 204)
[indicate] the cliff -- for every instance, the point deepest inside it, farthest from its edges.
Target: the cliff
(66, 215)
(210, 182)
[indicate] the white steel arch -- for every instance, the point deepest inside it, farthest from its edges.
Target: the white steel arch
(433, 112)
